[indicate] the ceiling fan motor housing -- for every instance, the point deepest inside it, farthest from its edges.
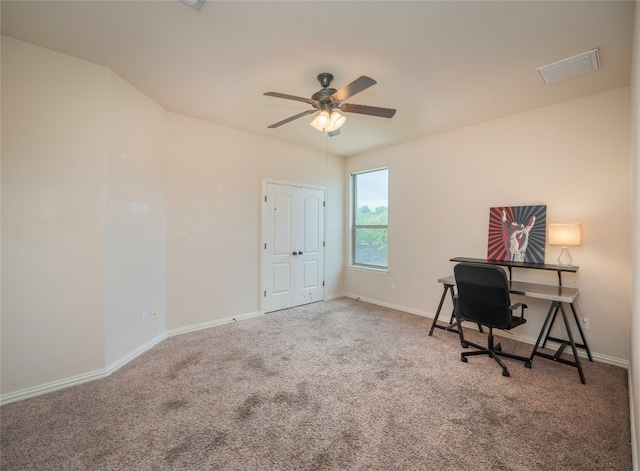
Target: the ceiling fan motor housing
(325, 79)
(324, 95)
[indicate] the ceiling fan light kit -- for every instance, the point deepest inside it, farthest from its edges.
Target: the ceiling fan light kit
(337, 120)
(328, 122)
(329, 100)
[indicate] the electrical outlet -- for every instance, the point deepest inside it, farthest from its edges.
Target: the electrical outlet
(144, 317)
(584, 323)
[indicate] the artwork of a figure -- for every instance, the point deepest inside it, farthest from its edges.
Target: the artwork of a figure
(516, 237)
(517, 233)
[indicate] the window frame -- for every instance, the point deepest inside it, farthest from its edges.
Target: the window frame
(354, 227)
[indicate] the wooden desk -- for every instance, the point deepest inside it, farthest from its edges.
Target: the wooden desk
(558, 295)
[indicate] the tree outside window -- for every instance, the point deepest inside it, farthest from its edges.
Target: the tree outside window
(370, 235)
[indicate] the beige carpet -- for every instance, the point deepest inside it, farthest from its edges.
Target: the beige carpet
(337, 385)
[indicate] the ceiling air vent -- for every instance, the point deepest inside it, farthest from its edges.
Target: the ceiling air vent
(570, 67)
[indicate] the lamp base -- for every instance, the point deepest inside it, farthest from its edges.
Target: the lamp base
(564, 259)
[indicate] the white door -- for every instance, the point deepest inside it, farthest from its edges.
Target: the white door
(293, 246)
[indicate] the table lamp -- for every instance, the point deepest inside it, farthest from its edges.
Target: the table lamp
(565, 235)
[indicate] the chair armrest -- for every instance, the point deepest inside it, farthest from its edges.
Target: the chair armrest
(517, 306)
(521, 306)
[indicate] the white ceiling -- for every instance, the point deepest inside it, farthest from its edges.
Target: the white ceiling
(442, 65)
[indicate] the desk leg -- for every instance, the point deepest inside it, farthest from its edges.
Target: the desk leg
(553, 321)
(434, 324)
(435, 319)
(584, 340)
(583, 345)
(553, 311)
(573, 345)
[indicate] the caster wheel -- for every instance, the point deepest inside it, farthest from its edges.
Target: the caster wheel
(527, 364)
(498, 348)
(505, 373)
(464, 359)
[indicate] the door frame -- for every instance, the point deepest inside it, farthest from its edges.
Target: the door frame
(263, 236)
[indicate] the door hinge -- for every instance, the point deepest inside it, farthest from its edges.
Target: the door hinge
(323, 243)
(324, 203)
(265, 198)
(323, 283)
(265, 246)
(265, 294)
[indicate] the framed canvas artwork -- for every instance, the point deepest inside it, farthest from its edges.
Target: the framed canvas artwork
(517, 233)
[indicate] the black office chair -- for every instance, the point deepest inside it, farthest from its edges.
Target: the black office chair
(483, 298)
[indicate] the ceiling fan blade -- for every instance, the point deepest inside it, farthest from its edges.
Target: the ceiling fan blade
(370, 110)
(292, 97)
(285, 121)
(354, 87)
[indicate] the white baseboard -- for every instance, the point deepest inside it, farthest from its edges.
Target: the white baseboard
(599, 357)
(209, 324)
(529, 340)
(50, 387)
(397, 307)
(115, 366)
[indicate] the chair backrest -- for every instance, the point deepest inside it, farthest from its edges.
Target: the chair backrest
(483, 295)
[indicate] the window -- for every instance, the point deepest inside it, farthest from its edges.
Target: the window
(369, 231)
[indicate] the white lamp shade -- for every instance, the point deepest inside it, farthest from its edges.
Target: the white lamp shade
(336, 121)
(321, 122)
(565, 234)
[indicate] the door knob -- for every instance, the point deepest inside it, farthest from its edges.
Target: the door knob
(300, 253)
(294, 253)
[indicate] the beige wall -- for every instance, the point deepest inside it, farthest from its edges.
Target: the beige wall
(84, 218)
(111, 207)
(215, 203)
(573, 157)
(136, 221)
(54, 149)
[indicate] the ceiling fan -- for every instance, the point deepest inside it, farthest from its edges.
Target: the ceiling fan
(329, 100)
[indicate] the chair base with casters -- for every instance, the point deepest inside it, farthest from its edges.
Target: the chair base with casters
(494, 352)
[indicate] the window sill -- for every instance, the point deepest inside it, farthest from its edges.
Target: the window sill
(382, 271)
